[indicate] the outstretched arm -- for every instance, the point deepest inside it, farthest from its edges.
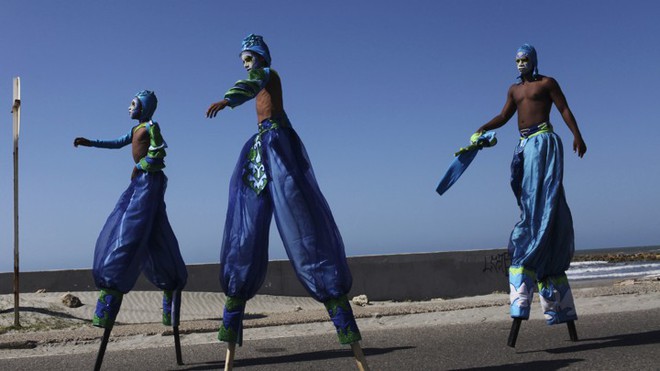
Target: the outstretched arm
(507, 112)
(115, 143)
(242, 91)
(216, 107)
(559, 100)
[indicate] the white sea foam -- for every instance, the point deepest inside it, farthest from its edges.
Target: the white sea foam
(603, 270)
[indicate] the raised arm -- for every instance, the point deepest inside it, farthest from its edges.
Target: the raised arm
(242, 91)
(507, 112)
(559, 100)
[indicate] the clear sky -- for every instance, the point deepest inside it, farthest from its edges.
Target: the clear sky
(381, 92)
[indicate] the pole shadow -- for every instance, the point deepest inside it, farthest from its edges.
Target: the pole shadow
(555, 364)
(614, 341)
(293, 358)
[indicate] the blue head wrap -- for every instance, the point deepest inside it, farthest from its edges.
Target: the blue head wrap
(149, 103)
(529, 51)
(256, 44)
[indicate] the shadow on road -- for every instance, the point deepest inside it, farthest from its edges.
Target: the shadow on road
(293, 358)
(625, 340)
(555, 364)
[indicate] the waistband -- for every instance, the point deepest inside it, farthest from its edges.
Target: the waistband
(279, 121)
(544, 127)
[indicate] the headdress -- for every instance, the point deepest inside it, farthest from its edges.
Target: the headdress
(256, 44)
(149, 103)
(529, 51)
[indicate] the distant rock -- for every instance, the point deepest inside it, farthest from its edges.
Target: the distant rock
(40, 291)
(71, 301)
(361, 300)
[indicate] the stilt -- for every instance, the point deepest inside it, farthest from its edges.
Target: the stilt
(513, 335)
(572, 331)
(229, 359)
(177, 345)
(104, 343)
(359, 357)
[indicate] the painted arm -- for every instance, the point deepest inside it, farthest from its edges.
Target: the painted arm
(507, 112)
(114, 143)
(559, 100)
(242, 91)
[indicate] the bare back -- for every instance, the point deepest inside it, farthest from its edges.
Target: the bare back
(269, 99)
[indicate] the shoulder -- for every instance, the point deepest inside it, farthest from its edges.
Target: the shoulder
(547, 80)
(259, 73)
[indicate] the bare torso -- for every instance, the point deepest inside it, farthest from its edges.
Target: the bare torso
(140, 145)
(269, 99)
(533, 101)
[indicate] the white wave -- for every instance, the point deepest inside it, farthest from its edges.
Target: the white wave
(593, 270)
(613, 275)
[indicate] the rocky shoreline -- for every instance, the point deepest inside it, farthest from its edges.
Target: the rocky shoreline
(618, 257)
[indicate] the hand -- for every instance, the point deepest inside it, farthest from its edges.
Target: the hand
(579, 146)
(216, 107)
(81, 142)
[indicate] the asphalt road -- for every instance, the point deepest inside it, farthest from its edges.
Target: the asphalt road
(628, 341)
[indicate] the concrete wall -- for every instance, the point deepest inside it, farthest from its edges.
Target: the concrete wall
(380, 277)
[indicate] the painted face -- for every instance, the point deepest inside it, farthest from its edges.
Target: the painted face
(250, 60)
(135, 109)
(523, 63)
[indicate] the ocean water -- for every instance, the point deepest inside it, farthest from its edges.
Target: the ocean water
(591, 270)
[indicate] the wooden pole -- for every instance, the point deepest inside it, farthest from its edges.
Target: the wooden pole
(16, 110)
(359, 357)
(229, 359)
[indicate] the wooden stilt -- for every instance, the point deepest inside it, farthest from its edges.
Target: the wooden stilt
(359, 357)
(177, 345)
(101, 353)
(572, 331)
(229, 359)
(513, 335)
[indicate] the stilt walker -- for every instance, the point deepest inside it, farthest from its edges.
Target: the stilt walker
(137, 237)
(542, 244)
(274, 176)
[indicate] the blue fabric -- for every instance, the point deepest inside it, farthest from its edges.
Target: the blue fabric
(557, 300)
(113, 143)
(521, 286)
(530, 52)
(304, 220)
(543, 239)
(463, 159)
(256, 43)
(149, 103)
(138, 237)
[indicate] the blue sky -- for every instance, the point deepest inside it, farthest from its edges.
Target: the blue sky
(381, 92)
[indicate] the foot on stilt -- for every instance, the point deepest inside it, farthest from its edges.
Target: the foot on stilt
(167, 307)
(107, 308)
(341, 315)
(557, 300)
(231, 329)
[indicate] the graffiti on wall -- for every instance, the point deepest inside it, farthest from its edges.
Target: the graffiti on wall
(497, 263)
